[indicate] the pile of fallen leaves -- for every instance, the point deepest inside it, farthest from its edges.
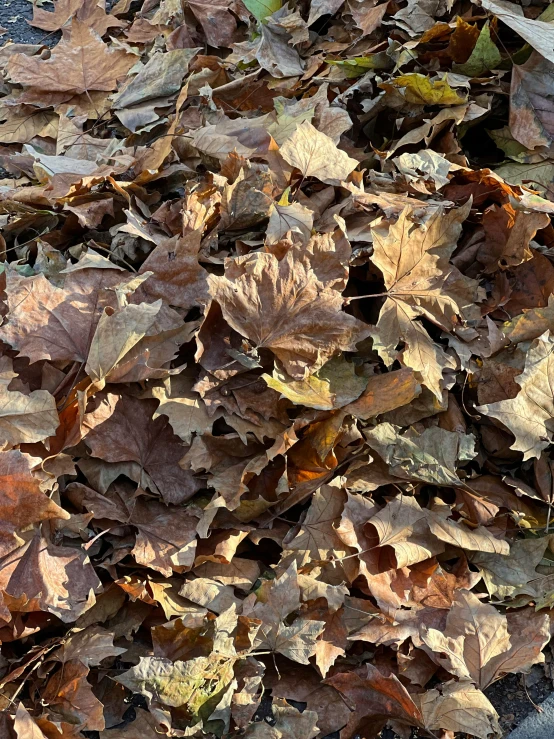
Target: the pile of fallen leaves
(276, 367)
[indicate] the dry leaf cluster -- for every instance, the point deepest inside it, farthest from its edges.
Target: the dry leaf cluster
(276, 367)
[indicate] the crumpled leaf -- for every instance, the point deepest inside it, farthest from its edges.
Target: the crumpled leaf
(431, 456)
(421, 90)
(196, 684)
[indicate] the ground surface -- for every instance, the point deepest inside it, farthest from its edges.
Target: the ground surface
(13, 17)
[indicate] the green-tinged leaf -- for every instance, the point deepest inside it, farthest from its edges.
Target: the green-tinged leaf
(484, 57)
(197, 684)
(261, 9)
(335, 385)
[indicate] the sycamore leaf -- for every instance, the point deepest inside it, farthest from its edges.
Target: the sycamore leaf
(290, 723)
(284, 218)
(431, 456)
(166, 535)
(420, 281)
(161, 75)
(403, 525)
(315, 155)
(384, 393)
(186, 411)
(460, 706)
(89, 12)
(260, 9)
(421, 90)
(504, 575)
(23, 128)
(529, 415)
(482, 635)
(333, 386)
(538, 33)
(317, 537)
(22, 502)
(24, 418)
(39, 576)
(122, 430)
(82, 64)
(47, 322)
(532, 102)
(278, 305)
(375, 698)
(25, 726)
(196, 684)
(531, 323)
(540, 174)
(485, 56)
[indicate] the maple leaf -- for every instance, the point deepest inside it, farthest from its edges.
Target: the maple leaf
(420, 282)
(24, 418)
(376, 698)
(48, 322)
(459, 706)
(315, 155)
(273, 303)
(39, 576)
(22, 501)
(89, 12)
(82, 64)
(529, 414)
(149, 442)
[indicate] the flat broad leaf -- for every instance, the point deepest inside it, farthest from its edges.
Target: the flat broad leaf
(315, 155)
(82, 64)
(335, 385)
(460, 707)
(420, 281)
(529, 415)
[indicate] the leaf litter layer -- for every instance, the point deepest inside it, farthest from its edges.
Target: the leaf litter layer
(276, 375)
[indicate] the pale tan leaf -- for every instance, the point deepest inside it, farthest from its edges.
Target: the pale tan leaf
(316, 155)
(529, 415)
(460, 707)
